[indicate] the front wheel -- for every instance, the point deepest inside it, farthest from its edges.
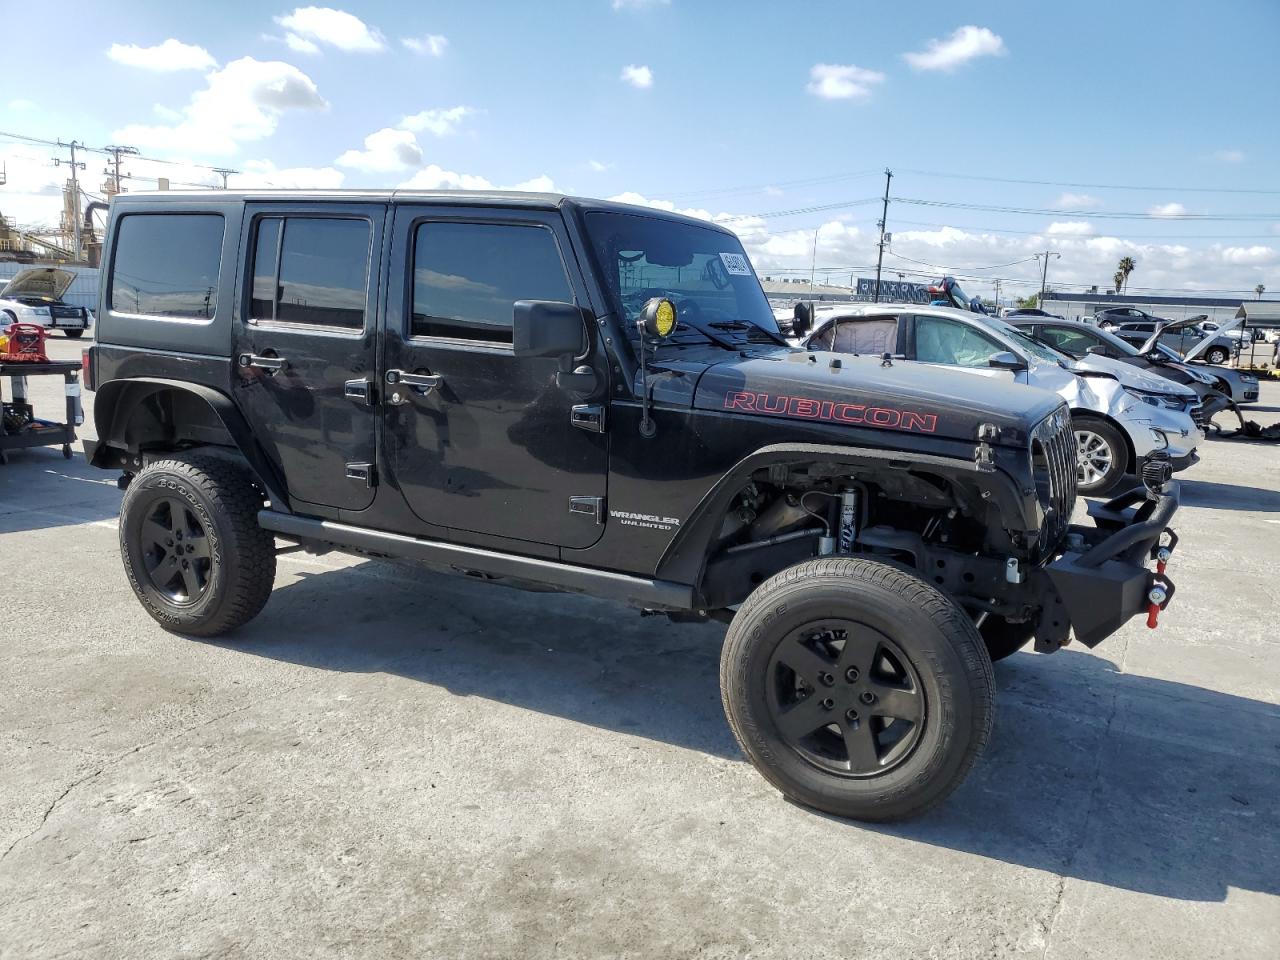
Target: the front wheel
(1101, 456)
(192, 547)
(1216, 355)
(856, 688)
(75, 334)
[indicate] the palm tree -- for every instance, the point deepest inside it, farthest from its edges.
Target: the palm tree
(1125, 268)
(1119, 280)
(1259, 290)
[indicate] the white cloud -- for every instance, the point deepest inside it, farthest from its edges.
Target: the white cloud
(598, 166)
(440, 121)
(640, 77)
(165, 57)
(264, 173)
(834, 81)
(384, 151)
(300, 44)
(1070, 228)
(432, 45)
(638, 4)
(314, 26)
(1229, 156)
(967, 43)
(433, 177)
(21, 104)
(242, 101)
(1250, 256)
(1167, 210)
(1076, 201)
(539, 184)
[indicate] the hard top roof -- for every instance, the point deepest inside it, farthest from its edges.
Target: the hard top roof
(481, 198)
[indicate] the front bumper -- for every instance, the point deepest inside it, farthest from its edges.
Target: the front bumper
(1104, 577)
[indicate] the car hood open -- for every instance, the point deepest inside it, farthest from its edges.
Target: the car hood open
(48, 282)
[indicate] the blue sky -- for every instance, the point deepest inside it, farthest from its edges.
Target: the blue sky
(749, 108)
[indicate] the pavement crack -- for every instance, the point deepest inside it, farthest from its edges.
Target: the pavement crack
(49, 810)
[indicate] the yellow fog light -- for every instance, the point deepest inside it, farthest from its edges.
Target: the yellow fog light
(658, 318)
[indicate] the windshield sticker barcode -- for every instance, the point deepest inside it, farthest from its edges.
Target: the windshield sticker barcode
(736, 264)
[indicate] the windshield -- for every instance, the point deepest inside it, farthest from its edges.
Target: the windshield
(1033, 346)
(704, 271)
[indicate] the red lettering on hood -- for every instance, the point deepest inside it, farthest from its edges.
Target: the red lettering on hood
(805, 408)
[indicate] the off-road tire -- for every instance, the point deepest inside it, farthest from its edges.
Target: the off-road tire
(939, 638)
(1004, 639)
(1217, 355)
(1119, 455)
(242, 562)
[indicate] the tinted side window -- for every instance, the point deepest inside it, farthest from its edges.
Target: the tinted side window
(945, 341)
(320, 276)
(467, 276)
(1069, 341)
(166, 264)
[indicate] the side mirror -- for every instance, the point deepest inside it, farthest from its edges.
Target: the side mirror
(547, 328)
(1098, 350)
(803, 321)
(1005, 360)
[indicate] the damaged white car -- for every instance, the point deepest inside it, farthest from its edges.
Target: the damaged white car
(1122, 416)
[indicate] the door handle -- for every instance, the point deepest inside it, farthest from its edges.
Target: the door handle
(270, 364)
(398, 380)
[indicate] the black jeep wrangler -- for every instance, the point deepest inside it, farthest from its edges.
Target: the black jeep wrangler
(592, 397)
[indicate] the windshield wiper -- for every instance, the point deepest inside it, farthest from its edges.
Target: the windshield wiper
(749, 327)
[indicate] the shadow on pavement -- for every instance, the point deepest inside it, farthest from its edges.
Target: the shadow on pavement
(40, 489)
(1228, 496)
(1118, 779)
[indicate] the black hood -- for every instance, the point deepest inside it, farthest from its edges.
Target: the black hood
(862, 391)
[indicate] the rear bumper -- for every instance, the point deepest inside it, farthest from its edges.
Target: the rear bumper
(1107, 575)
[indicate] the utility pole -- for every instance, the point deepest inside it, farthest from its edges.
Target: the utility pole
(884, 216)
(224, 172)
(814, 261)
(75, 191)
(113, 171)
(1044, 273)
(997, 294)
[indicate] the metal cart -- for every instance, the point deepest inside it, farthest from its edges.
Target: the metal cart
(19, 427)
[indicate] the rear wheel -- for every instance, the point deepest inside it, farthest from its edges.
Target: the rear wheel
(192, 547)
(1101, 455)
(75, 334)
(857, 688)
(1217, 355)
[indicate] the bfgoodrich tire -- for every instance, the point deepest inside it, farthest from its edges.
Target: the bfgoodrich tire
(857, 688)
(192, 547)
(1102, 456)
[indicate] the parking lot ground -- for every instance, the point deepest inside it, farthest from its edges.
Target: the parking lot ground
(387, 763)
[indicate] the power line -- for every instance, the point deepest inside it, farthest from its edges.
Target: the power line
(104, 150)
(798, 210)
(1040, 212)
(938, 266)
(1093, 186)
(777, 184)
(1134, 236)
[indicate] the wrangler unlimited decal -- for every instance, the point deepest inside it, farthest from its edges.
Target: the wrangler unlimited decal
(837, 411)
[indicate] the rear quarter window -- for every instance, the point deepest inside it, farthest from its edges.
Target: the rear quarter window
(166, 265)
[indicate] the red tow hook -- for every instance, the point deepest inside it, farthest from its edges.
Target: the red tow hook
(1162, 560)
(1157, 596)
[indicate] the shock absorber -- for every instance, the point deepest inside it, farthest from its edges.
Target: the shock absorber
(848, 519)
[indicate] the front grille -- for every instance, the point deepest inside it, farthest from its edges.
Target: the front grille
(1197, 414)
(1053, 461)
(58, 311)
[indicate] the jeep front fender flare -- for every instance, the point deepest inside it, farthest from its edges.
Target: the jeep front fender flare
(118, 400)
(685, 557)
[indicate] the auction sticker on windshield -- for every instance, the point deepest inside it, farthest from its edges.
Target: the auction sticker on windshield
(736, 264)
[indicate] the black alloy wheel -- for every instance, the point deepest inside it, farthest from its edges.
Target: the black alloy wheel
(846, 698)
(175, 550)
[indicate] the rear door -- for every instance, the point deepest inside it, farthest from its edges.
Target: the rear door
(488, 443)
(304, 346)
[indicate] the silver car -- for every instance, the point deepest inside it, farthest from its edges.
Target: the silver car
(1122, 416)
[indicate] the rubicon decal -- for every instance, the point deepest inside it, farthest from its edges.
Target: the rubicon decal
(836, 411)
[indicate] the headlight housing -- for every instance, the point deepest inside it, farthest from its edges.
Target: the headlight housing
(1166, 400)
(33, 313)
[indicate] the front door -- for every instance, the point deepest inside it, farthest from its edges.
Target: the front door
(951, 343)
(305, 347)
(479, 440)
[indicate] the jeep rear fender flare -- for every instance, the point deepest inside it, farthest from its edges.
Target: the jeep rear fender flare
(117, 401)
(685, 557)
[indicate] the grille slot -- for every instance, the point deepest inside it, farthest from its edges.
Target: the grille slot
(1053, 460)
(1197, 414)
